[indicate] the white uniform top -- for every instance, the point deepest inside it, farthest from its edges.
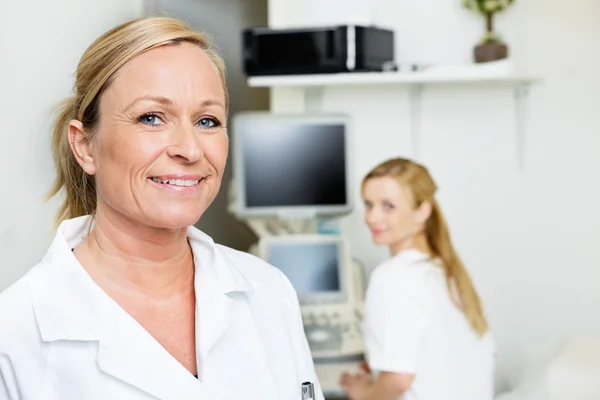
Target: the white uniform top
(62, 337)
(412, 326)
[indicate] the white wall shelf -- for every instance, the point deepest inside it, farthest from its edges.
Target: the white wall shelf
(494, 74)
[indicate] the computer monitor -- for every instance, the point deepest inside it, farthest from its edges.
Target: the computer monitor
(291, 165)
(314, 264)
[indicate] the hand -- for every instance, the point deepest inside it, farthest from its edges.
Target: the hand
(357, 386)
(364, 366)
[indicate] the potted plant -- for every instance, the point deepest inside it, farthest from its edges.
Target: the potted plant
(491, 47)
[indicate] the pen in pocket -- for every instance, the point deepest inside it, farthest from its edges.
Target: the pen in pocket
(308, 391)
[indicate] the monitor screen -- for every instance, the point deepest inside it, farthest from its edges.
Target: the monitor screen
(310, 267)
(291, 163)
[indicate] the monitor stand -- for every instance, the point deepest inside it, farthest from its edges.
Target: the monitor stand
(296, 215)
(284, 225)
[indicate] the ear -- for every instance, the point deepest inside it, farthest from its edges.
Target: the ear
(423, 212)
(81, 147)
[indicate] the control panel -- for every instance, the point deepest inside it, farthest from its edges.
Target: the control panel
(333, 331)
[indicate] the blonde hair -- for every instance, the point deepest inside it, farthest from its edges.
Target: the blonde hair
(416, 179)
(95, 73)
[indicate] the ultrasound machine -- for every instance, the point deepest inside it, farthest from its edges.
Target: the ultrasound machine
(290, 172)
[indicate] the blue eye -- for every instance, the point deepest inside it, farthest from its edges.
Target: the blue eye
(207, 123)
(150, 119)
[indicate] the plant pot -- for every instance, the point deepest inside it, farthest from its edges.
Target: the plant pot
(490, 51)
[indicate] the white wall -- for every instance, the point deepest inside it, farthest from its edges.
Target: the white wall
(40, 45)
(529, 237)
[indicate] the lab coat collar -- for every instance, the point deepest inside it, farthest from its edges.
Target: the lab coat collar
(414, 256)
(67, 302)
(411, 256)
(70, 306)
(65, 299)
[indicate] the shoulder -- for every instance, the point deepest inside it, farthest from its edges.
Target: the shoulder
(15, 303)
(399, 270)
(404, 276)
(19, 328)
(258, 272)
(270, 291)
(277, 314)
(254, 271)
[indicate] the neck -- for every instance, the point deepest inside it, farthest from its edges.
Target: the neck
(126, 255)
(417, 242)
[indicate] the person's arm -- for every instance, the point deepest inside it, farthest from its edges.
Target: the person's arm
(8, 382)
(391, 384)
(388, 386)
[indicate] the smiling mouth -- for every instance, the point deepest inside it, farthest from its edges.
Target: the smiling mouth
(177, 182)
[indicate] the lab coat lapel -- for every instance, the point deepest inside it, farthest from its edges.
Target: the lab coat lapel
(217, 279)
(276, 341)
(125, 355)
(130, 354)
(74, 308)
(213, 315)
(69, 306)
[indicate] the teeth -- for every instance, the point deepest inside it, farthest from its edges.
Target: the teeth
(176, 182)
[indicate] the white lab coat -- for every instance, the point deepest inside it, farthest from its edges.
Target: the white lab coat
(63, 338)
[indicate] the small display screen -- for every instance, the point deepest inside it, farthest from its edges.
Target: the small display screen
(310, 267)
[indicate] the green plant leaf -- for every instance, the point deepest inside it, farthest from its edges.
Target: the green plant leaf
(486, 6)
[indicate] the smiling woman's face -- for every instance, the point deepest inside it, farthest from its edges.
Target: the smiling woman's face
(390, 212)
(160, 147)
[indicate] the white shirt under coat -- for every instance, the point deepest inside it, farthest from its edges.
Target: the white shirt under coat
(412, 326)
(62, 337)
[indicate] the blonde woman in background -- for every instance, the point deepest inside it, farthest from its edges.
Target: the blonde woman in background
(131, 302)
(425, 331)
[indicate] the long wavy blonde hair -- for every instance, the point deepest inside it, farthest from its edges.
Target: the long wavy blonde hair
(95, 73)
(416, 179)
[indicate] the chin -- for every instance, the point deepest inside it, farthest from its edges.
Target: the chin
(173, 219)
(380, 241)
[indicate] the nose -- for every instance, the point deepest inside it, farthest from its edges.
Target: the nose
(186, 144)
(372, 216)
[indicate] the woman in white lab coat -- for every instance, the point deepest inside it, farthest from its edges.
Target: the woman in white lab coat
(425, 332)
(131, 301)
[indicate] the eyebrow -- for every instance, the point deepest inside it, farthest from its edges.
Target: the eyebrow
(168, 102)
